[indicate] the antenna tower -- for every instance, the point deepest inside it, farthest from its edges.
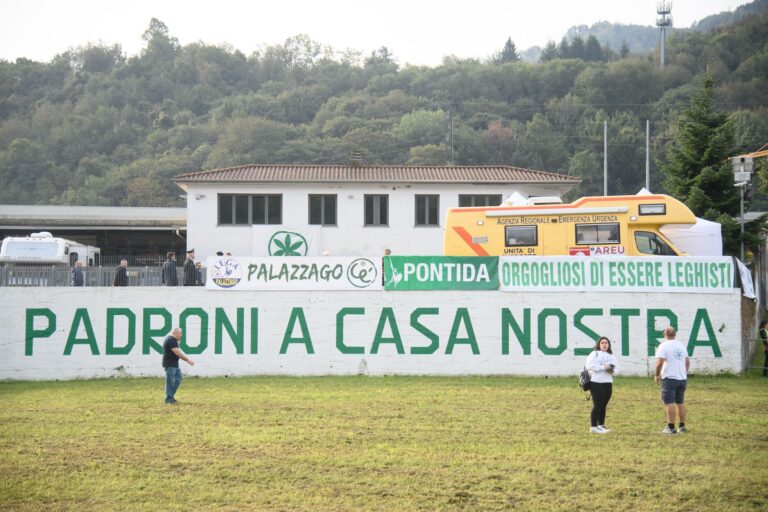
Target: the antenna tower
(664, 11)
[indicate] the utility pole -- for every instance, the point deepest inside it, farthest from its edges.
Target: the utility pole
(742, 175)
(741, 222)
(605, 158)
(664, 10)
(449, 136)
(451, 140)
(648, 155)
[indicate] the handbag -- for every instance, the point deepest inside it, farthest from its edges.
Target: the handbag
(584, 380)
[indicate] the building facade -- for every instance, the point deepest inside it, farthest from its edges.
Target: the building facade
(264, 210)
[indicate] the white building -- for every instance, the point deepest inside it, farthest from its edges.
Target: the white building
(259, 210)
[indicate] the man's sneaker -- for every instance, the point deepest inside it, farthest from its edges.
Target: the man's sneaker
(596, 430)
(668, 430)
(682, 430)
(605, 430)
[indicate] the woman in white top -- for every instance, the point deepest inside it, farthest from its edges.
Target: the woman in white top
(602, 366)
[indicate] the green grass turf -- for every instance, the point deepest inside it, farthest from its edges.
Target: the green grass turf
(378, 443)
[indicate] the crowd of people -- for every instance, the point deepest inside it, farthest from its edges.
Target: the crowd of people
(192, 271)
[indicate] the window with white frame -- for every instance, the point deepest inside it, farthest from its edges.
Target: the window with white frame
(520, 236)
(597, 233)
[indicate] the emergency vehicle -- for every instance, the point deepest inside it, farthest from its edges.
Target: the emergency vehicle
(649, 224)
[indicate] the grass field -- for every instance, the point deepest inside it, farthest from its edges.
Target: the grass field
(378, 443)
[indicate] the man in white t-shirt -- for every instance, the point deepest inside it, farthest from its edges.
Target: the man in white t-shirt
(672, 365)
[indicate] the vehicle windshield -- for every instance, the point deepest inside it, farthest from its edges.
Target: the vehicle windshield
(651, 243)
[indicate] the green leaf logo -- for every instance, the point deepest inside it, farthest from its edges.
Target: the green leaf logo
(287, 243)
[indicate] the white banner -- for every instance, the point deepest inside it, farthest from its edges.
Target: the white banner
(747, 286)
(294, 273)
(665, 274)
(85, 332)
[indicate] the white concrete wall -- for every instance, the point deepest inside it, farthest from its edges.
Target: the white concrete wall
(78, 345)
(349, 237)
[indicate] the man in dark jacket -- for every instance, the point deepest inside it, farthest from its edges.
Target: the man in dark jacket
(121, 274)
(77, 274)
(170, 278)
(190, 272)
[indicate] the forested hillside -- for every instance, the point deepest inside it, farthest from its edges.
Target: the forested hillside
(95, 127)
(645, 38)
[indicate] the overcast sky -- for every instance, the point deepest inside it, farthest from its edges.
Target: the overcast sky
(418, 32)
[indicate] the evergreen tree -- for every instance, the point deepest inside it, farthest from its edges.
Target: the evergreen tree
(698, 169)
(507, 54)
(549, 52)
(578, 49)
(593, 52)
(624, 50)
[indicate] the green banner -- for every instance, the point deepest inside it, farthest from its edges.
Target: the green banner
(440, 273)
(663, 274)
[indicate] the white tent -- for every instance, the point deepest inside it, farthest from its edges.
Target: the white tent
(701, 239)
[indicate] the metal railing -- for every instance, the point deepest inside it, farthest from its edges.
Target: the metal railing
(56, 275)
(142, 260)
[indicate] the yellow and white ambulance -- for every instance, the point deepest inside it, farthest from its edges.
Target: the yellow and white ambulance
(609, 225)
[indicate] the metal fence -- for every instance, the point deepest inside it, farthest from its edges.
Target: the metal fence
(57, 275)
(141, 260)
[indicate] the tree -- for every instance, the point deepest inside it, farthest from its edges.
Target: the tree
(578, 49)
(507, 54)
(380, 62)
(302, 51)
(624, 52)
(421, 127)
(499, 142)
(25, 173)
(593, 51)
(161, 47)
(428, 154)
(549, 52)
(250, 140)
(541, 147)
(698, 169)
(98, 58)
(587, 166)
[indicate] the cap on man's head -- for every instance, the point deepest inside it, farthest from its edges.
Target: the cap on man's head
(219, 253)
(191, 250)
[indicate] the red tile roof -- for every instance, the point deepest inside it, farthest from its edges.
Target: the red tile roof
(374, 174)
